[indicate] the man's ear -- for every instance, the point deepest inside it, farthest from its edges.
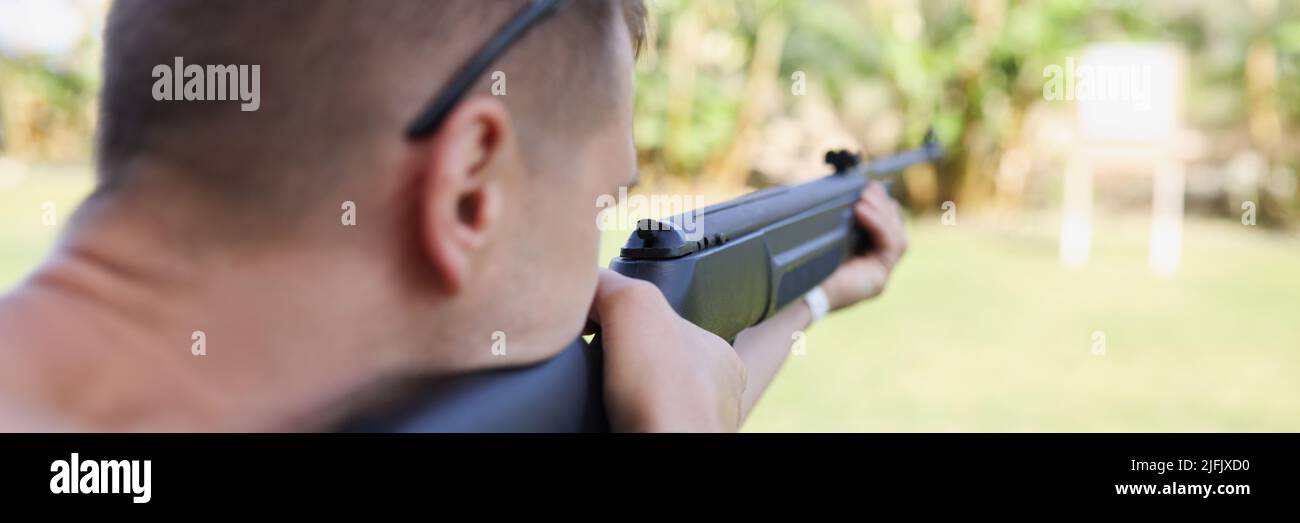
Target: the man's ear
(464, 164)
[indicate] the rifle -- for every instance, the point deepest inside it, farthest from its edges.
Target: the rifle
(724, 268)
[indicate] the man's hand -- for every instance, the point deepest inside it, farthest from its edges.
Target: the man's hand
(662, 373)
(864, 277)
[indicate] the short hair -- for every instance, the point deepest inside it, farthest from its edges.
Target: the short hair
(337, 77)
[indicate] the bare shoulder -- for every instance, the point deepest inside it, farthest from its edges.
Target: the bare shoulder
(15, 417)
(29, 335)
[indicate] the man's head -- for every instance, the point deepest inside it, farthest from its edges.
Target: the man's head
(491, 218)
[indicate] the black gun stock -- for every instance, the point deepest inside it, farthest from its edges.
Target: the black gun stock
(725, 268)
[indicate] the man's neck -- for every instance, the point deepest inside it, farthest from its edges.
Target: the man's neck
(124, 330)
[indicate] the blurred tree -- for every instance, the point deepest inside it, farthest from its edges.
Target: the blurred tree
(714, 100)
(48, 91)
(44, 113)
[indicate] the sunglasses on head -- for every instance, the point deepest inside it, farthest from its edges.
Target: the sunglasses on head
(436, 111)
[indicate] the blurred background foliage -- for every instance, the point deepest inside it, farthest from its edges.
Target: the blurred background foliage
(47, 114)
(49, 79)
(717, 107)
(715, 100)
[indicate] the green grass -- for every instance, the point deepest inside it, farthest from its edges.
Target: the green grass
(982, 330)
(24, 237)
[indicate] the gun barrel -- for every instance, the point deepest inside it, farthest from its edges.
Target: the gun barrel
(715, 225)
(928, 152)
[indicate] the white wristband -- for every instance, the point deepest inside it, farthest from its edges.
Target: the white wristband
(817, 302)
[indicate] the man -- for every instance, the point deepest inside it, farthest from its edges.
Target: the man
(209, 283)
